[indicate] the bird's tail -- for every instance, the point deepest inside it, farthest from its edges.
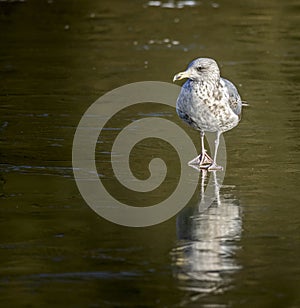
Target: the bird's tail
(245, 104)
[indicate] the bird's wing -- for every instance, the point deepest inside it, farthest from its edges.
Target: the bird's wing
(235, 101)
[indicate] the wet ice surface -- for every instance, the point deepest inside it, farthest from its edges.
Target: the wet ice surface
(56, 59)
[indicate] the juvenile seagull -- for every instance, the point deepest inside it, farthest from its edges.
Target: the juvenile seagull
(208, 103)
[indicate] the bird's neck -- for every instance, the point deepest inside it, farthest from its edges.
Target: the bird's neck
(209, 84)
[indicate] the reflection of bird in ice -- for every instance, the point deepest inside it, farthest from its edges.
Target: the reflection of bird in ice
(208, 236)
(208, 103)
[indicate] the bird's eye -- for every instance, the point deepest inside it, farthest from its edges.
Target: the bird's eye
(199, 68)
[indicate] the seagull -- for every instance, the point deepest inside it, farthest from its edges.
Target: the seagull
(208, 103)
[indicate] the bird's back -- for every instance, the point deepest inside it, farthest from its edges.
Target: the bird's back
(234, 101)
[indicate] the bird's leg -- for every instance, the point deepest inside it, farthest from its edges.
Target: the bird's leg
(203, 160)
(214, 165)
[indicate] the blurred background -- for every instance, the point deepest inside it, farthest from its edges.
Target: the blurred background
(56, 59)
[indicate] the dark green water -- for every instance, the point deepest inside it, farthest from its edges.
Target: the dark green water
(56, 59)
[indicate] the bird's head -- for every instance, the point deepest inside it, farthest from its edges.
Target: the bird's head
(201, 69)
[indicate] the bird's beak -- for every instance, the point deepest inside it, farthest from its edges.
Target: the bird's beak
(180, 76)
